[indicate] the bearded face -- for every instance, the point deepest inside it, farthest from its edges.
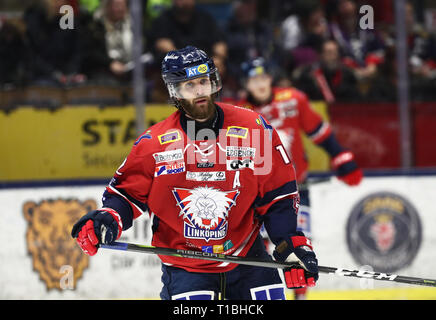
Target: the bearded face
(200, 109)
(195, 97)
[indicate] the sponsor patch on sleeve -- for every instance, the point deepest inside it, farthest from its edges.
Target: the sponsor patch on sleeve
(169, 137)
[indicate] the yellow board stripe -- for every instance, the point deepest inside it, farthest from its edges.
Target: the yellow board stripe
(372, 294)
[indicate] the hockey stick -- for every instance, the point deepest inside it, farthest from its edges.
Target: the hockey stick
(264, 263)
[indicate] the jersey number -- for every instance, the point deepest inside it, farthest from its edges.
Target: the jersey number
(282, 151)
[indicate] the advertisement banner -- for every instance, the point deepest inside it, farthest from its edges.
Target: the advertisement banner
(40, 259)
(68, 143)
(85, 142)
(371, 131)
(385, 224)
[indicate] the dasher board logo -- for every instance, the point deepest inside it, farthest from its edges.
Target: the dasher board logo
(49, 243)
(205, 211)
(384, 231)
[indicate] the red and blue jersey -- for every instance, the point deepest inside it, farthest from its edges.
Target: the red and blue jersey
(211, 191)
(289, 112)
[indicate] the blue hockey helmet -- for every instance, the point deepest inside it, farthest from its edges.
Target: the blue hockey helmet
(186, 64)
(254, 67)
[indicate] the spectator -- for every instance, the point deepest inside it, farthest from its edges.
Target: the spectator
(421, 47)
(247, 36)
(89, 5)
(95, 59)
(56, 55)
(181, 25)
(231, 90)
(422, 57)
(184, 24)
(114, 15)
(303, 32)
(330, 79)
(421, 51)
(383, 88)
(362, 49)
(13, 53)
(153, 9)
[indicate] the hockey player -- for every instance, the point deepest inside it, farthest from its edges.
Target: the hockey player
(289, 112)
(209, 176)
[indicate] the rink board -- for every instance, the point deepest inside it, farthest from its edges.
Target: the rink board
(72, 142)
(87, 141)
(41, 261)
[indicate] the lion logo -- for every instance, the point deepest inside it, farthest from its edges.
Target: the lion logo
(205, 211)
(48, 238)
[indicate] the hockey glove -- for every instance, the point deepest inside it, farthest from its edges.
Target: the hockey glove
(98, 226)
(299, 250)
(346, 168)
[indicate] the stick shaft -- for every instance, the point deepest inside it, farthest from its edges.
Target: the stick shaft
(265, 263)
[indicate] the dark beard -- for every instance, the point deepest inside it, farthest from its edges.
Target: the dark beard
(195, 112)
(192, 128)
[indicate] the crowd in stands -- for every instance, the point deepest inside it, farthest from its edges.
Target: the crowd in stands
(317, 46)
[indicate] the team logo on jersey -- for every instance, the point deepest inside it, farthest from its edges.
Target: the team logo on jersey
(178, 167)
(169, 137)
(384, 231)
(205, 211)
(237, 132)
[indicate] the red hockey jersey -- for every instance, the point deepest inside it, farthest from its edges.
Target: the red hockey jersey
(289, 113)
(207, 194)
